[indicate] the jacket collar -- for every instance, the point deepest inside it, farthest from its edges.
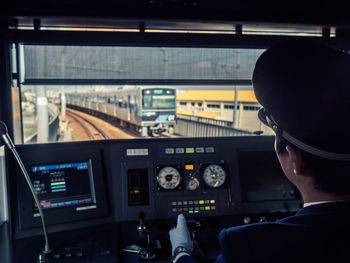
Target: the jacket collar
(326, 208)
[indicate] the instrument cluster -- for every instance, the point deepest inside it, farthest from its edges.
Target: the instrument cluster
(190, 178)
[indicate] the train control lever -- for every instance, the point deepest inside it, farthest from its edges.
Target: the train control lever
(193, 227)
(141, 227)
(146, 251)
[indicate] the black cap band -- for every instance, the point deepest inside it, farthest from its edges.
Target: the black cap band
(268, 120)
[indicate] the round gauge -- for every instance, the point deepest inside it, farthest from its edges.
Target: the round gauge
(192, 184)
(169, 178)
(214, 175)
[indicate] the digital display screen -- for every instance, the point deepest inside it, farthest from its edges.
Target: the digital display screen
(62, 185)
(262, 178)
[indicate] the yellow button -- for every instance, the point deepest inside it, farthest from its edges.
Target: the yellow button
(207, 208)
(190, 212)
(201, 202)
(212, 201)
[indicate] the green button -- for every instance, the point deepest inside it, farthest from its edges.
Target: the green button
(189, 150)
(201, 202)
(190, 212)
(207, 208)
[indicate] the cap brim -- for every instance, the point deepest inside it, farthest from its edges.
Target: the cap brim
(262, 115)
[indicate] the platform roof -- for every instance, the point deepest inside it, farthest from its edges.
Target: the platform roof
(217, 95)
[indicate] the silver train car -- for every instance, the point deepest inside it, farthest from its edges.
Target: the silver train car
(148, 109)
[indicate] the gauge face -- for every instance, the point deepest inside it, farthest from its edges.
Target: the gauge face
(214, 175)
(192, 184)
(169, 178)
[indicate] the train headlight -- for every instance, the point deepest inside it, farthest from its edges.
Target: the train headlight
(149, 114)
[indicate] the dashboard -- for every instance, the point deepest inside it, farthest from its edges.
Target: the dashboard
(108, 184)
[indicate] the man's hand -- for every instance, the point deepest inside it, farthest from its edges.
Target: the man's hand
(179, 235)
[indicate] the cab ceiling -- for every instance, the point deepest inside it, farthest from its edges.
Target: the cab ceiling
(324, 13)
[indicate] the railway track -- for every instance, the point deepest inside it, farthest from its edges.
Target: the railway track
(99, 134)
(91, 129)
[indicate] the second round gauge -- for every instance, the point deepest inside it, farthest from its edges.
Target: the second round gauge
(214, 175)
(169, 178)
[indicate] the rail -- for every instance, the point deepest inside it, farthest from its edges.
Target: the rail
(92, 136)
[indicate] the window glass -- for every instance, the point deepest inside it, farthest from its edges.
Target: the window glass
(52, 111)
(135, 63)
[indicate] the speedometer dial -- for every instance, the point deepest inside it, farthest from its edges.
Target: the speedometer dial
(169, 178)
(214, 175)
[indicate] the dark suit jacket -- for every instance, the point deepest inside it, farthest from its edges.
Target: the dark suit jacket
(317, 233)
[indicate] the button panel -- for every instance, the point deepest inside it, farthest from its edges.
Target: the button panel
(193, 206)
(189, 150)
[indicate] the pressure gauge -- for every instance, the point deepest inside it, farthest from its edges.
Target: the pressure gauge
(192, 184)
(214, 175)
(169, 178)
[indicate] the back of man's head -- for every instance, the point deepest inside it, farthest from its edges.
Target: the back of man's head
(304, 88)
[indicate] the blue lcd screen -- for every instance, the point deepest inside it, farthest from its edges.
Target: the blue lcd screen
(62, 185)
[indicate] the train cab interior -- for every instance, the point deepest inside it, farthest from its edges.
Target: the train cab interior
(160, 71)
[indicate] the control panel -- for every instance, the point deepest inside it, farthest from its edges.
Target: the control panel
(193, 187)
(89, 182)
(138, 188)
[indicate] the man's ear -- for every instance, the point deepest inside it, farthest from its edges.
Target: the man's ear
(296, 159)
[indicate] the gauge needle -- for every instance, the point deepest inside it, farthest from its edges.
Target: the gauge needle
(213, 174)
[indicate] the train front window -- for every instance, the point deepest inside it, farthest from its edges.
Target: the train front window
(163, 102)
(158, 99)
(74, 92)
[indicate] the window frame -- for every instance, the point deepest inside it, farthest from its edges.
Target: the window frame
(136, 39)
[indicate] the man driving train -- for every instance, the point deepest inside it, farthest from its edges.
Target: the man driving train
(303, 87)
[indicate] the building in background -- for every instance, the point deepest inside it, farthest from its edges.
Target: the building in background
(219, 105)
